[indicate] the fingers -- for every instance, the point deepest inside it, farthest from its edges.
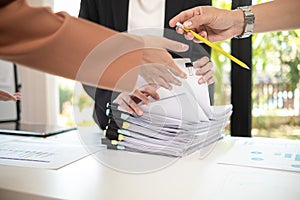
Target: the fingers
(161, 58)
(166, 78)
(210, 81)
(17, 95)
(140, 96)
(179, 30)
(203, 15)
(160, 75)
(150, 90)
(191, 18)
(5, 96)
(197, 28)
(200, 63)
(188, 36)
(182, 17)
(171, 79)
(204, 68)
(203, 34)
(159, 55)
(207, 77)
(148, 78)
(162, 82)
(123, 106)
(197, 19)
(133, 105)
(176, 69)
(161, 42)
(174, 45)
(129, 102)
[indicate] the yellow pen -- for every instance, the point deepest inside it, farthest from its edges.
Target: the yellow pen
(212, 45)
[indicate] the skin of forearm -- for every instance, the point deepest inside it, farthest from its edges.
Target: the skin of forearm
(59, 44)
(276, 15)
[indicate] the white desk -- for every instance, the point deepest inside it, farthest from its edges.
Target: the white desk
(187, 178)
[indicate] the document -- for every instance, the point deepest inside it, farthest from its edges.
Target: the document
(177, 124)
(5, 138)
(42, 154)
(270, 153)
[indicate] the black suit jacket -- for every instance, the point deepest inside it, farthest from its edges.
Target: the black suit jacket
(114, 14)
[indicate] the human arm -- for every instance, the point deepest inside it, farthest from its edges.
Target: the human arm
(220, 24)
(59, 44)
(6, 96)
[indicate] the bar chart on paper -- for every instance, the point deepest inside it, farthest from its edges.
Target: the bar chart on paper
(265, 153)
(42, 154)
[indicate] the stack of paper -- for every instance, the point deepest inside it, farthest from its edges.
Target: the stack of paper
(181, 122)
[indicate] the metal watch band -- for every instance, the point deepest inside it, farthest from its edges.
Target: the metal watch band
(249, 22)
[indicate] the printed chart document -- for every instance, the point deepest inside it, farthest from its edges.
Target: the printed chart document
(280, 154)
(39, 154)
(6, 138)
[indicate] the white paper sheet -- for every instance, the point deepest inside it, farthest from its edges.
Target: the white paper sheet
(6, 138)
(189, 102)
(42, 154)
(198, 91)
(181, 122)
(268, 153)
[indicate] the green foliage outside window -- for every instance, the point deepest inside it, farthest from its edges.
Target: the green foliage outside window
(65, 94)
(275, 57)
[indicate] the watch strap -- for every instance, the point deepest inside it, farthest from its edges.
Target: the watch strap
(249, 22)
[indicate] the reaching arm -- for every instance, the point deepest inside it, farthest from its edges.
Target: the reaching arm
(59, 44)
(276, 15)
(6, 96)
(220, 24)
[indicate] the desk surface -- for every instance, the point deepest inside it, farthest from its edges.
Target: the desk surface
(191, 177)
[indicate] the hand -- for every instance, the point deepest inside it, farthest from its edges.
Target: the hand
(211, 23)
(159, 75)
(133, 53)
(204, 68)
(5, 96)
(156, 59)
(129, 102)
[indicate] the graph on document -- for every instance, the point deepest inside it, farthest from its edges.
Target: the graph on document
(265, 153)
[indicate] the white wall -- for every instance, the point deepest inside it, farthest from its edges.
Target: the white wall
(8, 110)
(40, 98)
(41, 2)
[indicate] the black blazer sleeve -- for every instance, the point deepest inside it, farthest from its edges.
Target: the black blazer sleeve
(89, 10)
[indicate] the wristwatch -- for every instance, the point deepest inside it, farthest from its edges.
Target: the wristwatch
(249, 22)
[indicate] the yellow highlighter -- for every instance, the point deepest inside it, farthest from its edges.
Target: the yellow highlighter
(213, 46)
